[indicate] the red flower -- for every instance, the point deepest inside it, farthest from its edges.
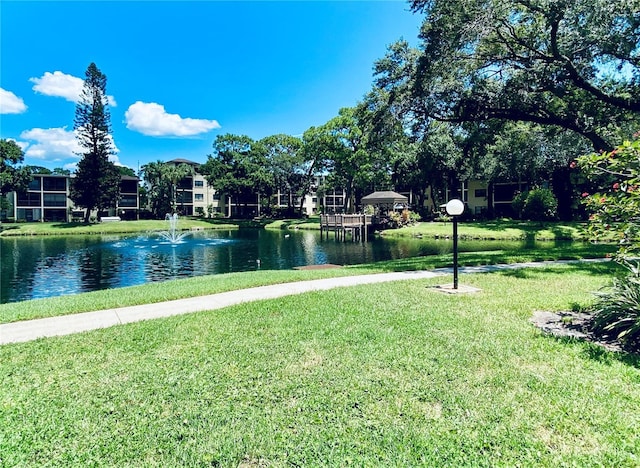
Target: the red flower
(573, 165)
(616, 186)
(585, 194)
(603, 200)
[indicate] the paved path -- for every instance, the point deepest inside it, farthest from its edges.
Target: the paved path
(29, 330)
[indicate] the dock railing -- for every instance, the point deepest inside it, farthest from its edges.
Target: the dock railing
(343, 224)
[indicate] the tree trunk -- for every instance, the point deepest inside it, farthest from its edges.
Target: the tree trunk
(562, 189)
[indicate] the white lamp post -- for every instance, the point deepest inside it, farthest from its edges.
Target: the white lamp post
(454, 209)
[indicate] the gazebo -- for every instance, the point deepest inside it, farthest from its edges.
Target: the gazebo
(386, 200)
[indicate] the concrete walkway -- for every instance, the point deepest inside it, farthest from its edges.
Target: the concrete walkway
(29, 330)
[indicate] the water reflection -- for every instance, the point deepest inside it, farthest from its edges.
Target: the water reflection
(53, 266)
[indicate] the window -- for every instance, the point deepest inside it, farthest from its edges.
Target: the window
(128, 186)
(185, 183)
(504, 192)
(29, 214)
(198, 183)
(35, 184)
(54, 184)
(129, 201)
(199, 197)
(28, 199)
(54, 199)
(480, 193)
(463, 194)
(184, 196)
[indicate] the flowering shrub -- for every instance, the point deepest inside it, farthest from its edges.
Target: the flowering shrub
(402, 219)
(615, 211)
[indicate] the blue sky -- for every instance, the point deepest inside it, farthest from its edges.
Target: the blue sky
(181, 73)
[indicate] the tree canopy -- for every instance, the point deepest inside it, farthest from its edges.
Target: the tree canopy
(162, 181)
(292, 170)
(12, 176)
(571, 64)
(238, 167)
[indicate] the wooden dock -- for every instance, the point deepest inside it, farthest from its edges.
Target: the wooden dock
(342, 224)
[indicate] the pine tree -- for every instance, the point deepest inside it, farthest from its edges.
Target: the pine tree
(96, 185)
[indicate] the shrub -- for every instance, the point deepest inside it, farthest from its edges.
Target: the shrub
(614, 211)
(402, 219)
(617, 311)
(518, 203)
(539, 204)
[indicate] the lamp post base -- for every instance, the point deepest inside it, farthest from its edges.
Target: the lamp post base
(460, 289)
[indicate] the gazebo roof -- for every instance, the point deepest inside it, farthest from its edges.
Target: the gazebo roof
(384, 198)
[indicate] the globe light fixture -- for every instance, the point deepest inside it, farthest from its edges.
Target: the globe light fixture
(454, 209)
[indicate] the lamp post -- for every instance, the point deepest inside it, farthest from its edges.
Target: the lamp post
(454, 209)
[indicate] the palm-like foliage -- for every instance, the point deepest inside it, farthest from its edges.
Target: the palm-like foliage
(617, 312)
(162, 182)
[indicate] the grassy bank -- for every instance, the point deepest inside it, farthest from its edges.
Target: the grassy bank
(495, 230)
(120, 227)
(131, 227)
(311, 223)
(376, 375)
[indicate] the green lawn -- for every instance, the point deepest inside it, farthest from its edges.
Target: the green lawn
(378, 375)
(120, 227)
(498, 230)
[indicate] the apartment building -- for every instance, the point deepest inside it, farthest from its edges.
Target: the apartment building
(477, 196)
(196, 197)
(47, 199)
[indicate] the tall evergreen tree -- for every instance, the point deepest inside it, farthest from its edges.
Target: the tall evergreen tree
(96, 185)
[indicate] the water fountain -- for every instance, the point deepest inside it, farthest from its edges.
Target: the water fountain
(172, 235)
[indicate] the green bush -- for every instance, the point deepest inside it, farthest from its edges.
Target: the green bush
(539, 204)
(518, 203)
(617, 312)
(402, 219)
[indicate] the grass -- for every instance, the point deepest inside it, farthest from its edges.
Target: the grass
(496, 230)
(377, 375)
(122, 227)
(310, 223)
(203, 285)
(129, 227)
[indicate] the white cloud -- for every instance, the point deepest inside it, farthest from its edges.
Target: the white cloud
(62, 85)
(52, 144)
(10, 103)
(151, 119)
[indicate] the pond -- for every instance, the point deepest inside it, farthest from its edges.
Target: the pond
(39, 267)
